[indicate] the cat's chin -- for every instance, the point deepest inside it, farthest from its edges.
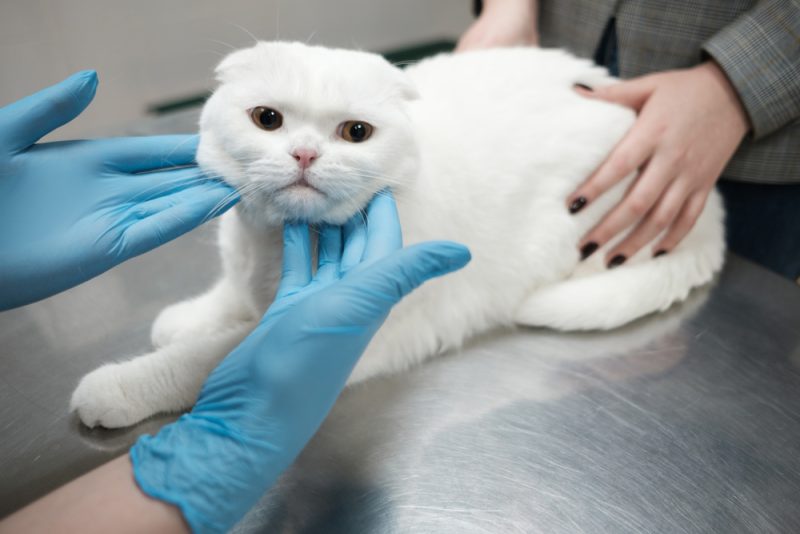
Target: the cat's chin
(299, 204)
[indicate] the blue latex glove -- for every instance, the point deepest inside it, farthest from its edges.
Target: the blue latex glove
(261, 405)
(72, 210)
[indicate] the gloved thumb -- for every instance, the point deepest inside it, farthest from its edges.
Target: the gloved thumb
(26, 121)
(401, 272)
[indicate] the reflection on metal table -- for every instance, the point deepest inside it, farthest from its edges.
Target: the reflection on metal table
(688, 421)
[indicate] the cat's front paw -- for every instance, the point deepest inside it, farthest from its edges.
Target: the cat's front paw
(102, 399)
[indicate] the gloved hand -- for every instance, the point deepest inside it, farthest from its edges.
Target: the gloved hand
(72, 210)
(266, 399)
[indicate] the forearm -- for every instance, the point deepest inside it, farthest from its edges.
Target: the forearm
(502, 23)
(106, 499)
(479, 5)
(760, 55)
(528, 9)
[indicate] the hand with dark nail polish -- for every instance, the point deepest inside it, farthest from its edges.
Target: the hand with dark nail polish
(689, 123)
(577, 204)
(616, 261)
(588, 249)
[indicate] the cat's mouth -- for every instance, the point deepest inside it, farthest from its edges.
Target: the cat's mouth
(301, 184)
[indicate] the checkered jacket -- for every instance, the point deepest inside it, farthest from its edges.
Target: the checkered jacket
(757, 44)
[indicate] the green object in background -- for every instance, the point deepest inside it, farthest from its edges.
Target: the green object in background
(403, 56)
(399, 56)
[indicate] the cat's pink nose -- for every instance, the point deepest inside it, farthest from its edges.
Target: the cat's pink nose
(305, 156)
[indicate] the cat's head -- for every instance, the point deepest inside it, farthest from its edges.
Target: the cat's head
(307, 133)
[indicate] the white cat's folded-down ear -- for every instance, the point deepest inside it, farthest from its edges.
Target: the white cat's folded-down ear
(407, 88)
(233, 62)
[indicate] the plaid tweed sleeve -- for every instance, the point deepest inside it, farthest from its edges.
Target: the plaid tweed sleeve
(760, 54)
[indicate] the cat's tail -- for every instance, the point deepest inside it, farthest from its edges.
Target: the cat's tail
(613, 297)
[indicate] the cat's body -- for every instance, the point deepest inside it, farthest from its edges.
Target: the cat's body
(480, 148)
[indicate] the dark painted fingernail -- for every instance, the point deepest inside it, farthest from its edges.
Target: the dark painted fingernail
(582, 86)
(659, 253)
(588, 249)
(577, 204)
(616, 261)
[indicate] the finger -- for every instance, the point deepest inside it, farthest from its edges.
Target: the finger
(659, 219)
(384, 235)
(631, 153)
(383, 283)
(684, 222)
(201, 201)
(296, 270)
(142, 187)
(28, 120)
(630, 93)
(329, 253)
(634, 206)
(150, 224)
(142, 154)
(355, 239)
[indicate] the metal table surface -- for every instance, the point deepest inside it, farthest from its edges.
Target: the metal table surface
(688, 421)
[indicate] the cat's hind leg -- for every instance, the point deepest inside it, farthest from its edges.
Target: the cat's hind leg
(166, 380)
(612, 297)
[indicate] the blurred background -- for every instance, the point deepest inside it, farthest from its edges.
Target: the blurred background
(155, 57)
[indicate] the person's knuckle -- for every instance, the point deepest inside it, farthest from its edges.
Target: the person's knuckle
(658, 128)
(696, 210)
(662, 218)
(677, 157)
(622, 163)
(639, 205)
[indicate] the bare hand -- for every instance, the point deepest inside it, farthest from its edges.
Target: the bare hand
(689, 125)
(502, 23)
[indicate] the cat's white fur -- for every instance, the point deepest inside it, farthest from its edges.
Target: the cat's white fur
(482, 148)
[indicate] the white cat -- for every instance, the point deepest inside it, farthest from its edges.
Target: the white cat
(482, 148)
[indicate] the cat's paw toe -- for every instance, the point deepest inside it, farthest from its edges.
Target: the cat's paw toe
(101, 399)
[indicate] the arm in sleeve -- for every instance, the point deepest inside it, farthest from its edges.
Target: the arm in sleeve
(760, 54)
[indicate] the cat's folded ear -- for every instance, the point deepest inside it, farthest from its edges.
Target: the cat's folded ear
(408, 91)
(234, 62)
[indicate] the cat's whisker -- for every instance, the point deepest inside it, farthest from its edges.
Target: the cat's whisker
(223, 43)
(245, 30)
(215, 52)
(242, 192)
(165, 188)
(278, 21)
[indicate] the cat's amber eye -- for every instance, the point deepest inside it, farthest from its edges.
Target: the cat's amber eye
(266, 118)
(355, 131)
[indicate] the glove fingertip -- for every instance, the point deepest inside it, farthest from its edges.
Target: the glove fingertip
(448, 256)
(407, 269)
(84, 86)
(90, 75)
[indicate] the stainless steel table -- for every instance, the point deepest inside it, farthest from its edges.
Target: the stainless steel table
(684, 422)
(688, 421)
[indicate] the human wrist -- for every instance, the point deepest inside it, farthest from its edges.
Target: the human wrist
(525, 9)
(724, 93)
(181, 466)
(521, 5)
